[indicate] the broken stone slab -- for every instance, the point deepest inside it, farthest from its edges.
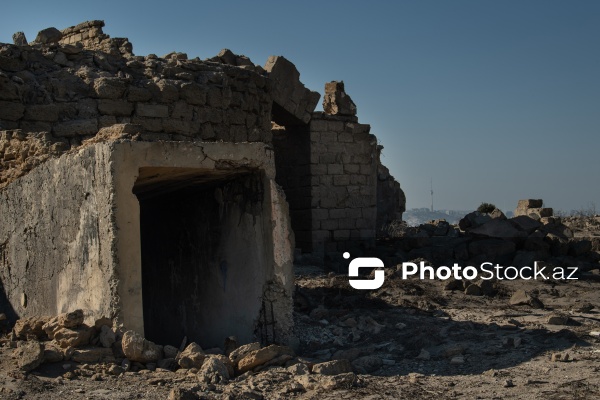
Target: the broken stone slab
(48, 36)
(334, 367)
(136, 348)
(68, 320)
(76, 337)
(90, 355)
(236, 355)
(336, 101)
(259, 357)
(525, 223)
(19, 39)
(288, 92)
(226, 56)
(473, 220)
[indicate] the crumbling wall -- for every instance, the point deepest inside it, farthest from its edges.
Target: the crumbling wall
(71, 93)
(89, 35)
(339, 192)
(391, 201)
(57, 231)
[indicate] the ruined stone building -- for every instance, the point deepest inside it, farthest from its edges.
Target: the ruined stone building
(168, 192)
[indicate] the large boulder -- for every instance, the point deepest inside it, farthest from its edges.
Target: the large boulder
(48, 35)
(136, 348)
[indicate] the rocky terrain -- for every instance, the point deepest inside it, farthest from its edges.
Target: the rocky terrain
(411, 338)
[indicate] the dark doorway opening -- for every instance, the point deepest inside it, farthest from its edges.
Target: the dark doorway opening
(202, 254)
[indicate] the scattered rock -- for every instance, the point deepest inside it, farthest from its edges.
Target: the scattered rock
(334, 367)
(170, 351)
(192, 357)
(367, 364)
(473, 290)
(213, 371)
(29, 355)
(107, 337)
(557, 319)
(236, 355)
(182, 394)
(30, 327)
(508, 383)
(262, 356)
(77, 337)
(563, 357)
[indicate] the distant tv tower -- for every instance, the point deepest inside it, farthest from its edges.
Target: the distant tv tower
(431, 194)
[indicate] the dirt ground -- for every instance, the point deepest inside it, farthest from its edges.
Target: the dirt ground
(409, 339)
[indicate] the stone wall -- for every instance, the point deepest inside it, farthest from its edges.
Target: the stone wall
(343, 173)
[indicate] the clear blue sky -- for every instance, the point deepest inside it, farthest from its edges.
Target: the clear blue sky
(494, 100)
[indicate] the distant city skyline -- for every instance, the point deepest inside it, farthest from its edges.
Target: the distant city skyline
(496, 101)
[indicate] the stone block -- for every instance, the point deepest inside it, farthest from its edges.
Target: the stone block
(341, 180)
(109, 88)
(136, 94)
(11, 111)
(335, 169)
(318, 125)
(78, 127)
(152, 110)
(115, 107)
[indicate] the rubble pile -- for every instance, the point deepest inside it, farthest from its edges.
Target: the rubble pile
(537, 237)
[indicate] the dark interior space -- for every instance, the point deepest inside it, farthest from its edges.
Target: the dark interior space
(201, 255)
(292, 161)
